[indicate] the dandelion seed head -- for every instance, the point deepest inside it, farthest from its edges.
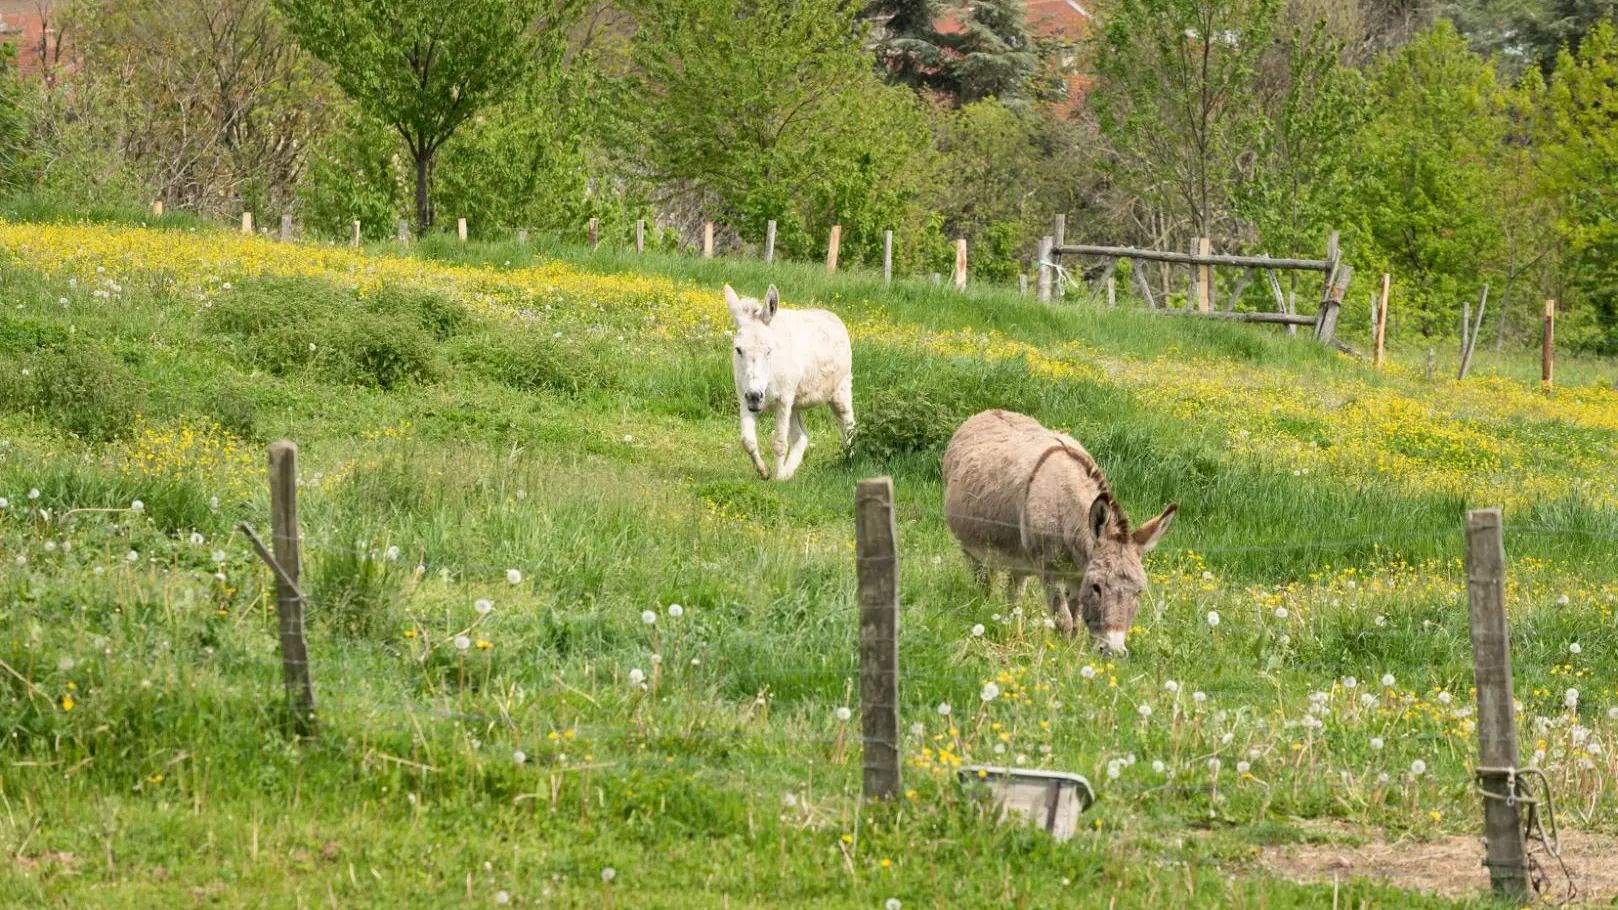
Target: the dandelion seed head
(1388, 680)
(977, 630)
(1171, 686)
(519, 756)
(1213, 618)
(648, 617)
(462, 642)
(484, 606)
(608, 874)
(844, 713)
(943, 709)
(1574, 648)
(990, 692)
(676, 611)
(636, 677)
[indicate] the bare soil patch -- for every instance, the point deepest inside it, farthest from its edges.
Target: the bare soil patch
(1452, 867)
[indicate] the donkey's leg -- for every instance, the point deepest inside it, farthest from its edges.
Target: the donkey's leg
(1056, 595)
(799, 441)
(842, 405)
(750, 442)
(980, 570)
(780, 440)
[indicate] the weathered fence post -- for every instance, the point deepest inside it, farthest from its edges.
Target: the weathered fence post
(832, 245)
(1381, 320)
(1547, 367)
(960, 264)
(460, 229)
(876, 551)
(522, 236)
(594, 233)
(1145, 286)
(157, 208)
(707, 240)
(355, 239)
(1332, 304)
(1470, 334)
(1466, 327)
(1022, 283)
(1204, 276)
(1058, 239)
(286, 228)
(640, 235)
(288, 601)
(404, 231)
(769, 242)
(1497, 722)
(1043, 295)
(1112, 291)
(247, 223)
(887, 257)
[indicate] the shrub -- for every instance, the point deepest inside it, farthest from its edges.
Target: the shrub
(435, 313)
(382, 351)
(907, 404)
(262, 304)
(83, 390)
(532, 362)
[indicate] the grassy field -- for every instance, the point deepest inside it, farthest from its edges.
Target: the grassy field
(537, 454)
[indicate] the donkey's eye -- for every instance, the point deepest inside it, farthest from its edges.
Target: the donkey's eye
(738, 352)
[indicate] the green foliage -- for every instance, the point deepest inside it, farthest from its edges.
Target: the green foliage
(77, 387)
(533, 362)
(434, 313)
(911, 406)
(1580, 157)
(994, 56)
(13, 121)
(1424, 167)
(355, 175)
(769, 111)
(424, 71)
(358, 588)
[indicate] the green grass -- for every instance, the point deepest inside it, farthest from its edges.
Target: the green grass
(608, 473)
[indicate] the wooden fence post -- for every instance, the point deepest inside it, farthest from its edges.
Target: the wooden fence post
(460, 229)
(769, 242)
(247, 223)
(1204, 277)
(876, 551)
(522, 236)
(355, 240)
(1497, 722)
(960, 264)
(286, 228)
(1547, 366)
(833, 243)
(1058, 238)
(1022, 283)
(1332, 305)
(640, 235)
(1471, 334)
(594, 232)
(1145, 286)
(1112, 291)
(1382, 319)
(288, 601)
(157, 208)
(887, 257)
(707, 240)
(1043, 294)
(404, 231)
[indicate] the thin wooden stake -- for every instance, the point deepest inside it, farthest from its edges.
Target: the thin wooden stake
(1142, 284)
(960, 264)
(1112, 291)
(1472, 336)
(593, 230)
(157, 208)
(286, 228)
(1466, 327)
(460, 229)
(769, 242)
(1204, 276)
(247, 223)
(876, 552)
(1022, 283)
(404, 231)
(289, 600)
(640, 235)
(707, 240)
(355, 239)
(1058, 237)
(1382, 319)
(1043, 295)
(1497, 722)
(1548, 346)
(832, 245)
(887, 257)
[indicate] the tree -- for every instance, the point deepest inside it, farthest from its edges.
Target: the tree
(425, 68)
(755, 110)
(993, 56)
(909, 49)
(1424, 204)
(13, 120)
(1174, 95)
(1530, 32)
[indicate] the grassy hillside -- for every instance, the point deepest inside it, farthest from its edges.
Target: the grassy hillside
(537, 453)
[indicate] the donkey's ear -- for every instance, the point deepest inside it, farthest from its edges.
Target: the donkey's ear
(1148, 534)
(740, 310)
(772, 302)
(1100, 514)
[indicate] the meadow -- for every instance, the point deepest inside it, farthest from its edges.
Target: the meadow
(570, 652)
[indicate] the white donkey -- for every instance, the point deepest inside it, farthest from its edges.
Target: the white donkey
(786, 361)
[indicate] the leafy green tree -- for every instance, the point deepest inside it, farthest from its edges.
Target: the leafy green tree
(909, 49)
(355, 175)
(1175, 96)
(755, 110)
(1580, 155)
(1425, 168)
(993, 56)
(1530, 32)
(426, 68)
(13, 120)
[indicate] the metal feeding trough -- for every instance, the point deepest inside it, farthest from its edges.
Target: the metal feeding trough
(1052, 800)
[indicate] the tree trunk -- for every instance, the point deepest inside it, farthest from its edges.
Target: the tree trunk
(424, 212)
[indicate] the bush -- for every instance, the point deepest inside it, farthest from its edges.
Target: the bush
(433, 312)
(907, 404)
(262, 304)
(533, 363)
(81, 389)
(383, 352)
